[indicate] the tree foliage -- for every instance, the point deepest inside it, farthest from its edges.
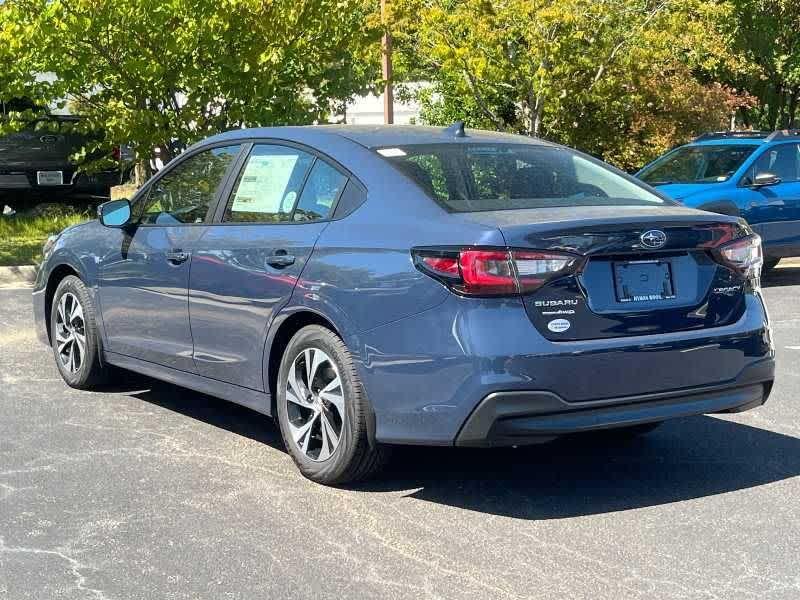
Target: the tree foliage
(767, 37)
(622, 79)
(150, 72)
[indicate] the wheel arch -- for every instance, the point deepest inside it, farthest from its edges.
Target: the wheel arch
(283, 329)
(285, 326)
(56, 276)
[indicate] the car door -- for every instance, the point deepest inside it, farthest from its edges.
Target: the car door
(247, 264)
(144, 282)
(774, 210)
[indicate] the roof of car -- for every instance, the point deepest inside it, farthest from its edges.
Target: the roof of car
(729, 142)
(747, 137)
(378, 136)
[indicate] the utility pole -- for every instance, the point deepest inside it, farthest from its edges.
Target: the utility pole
(386, 64)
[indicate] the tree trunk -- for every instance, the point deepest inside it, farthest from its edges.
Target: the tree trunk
(793, 107)
(772, 99)
(538, 111)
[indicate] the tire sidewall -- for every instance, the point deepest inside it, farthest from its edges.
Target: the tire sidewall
(323, 339)
(76, 287)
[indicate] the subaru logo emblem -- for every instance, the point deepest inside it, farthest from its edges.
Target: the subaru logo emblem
(655, 238)
(48, 139)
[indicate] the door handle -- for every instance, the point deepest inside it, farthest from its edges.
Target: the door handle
(177, 257)
(280, 259)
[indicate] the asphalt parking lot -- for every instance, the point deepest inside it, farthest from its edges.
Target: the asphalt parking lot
(150, 491)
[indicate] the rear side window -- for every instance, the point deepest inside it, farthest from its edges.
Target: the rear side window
(269, 185)
(185, 192)
(320, 193)
(476, 177)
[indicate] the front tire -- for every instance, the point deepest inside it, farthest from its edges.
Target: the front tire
(322, 410)
(74, 335)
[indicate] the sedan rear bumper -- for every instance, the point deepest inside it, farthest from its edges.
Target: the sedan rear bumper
(529, 417)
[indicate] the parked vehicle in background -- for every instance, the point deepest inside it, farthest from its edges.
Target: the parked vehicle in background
(36, 166)
(750, 174)
(411, 285)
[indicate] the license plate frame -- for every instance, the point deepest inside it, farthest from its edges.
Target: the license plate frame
(638, 281)
(49, 178)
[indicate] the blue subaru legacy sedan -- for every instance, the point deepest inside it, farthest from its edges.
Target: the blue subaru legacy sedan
(752, 174)
(373, 286)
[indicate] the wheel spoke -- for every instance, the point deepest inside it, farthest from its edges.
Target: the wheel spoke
(62, 316)
(325, 449)
(336, 399)
(317, 358)
(331, 434)
(316, 436)
(77, 313)
(296, 386)
(332, 385)
(292, 397)
(63, 342)
(81, 341)
(77, 355)
(302, 434)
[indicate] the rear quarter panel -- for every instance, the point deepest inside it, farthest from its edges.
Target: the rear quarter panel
(361, 272)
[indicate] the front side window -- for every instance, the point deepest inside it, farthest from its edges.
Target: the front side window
(186, 192)
(478, 177)
(782, 160)
(698, 164)
(269, 185)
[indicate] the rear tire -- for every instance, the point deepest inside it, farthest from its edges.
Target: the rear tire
(74, 335)
(322, 410)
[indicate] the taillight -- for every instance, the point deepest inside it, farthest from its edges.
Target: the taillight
(116, 153)
(494, 272)
(743, 256)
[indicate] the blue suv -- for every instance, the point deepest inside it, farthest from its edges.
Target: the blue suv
(750, 174)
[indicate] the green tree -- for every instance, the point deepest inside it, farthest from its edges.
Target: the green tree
(767, 38)
(596, 74)
(149, 72)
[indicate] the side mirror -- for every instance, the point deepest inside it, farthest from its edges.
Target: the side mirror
(764, 179)
(116, 213)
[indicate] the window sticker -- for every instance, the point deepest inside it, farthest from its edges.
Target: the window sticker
(262, 188)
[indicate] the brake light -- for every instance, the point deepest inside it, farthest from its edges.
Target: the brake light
(494, 272)
(743, 256)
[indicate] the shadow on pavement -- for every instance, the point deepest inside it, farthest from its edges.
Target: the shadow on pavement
(219, 413)
(585, 475)
(575, 476)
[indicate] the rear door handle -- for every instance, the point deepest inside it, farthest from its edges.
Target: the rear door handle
(280, 259)
(177, 257)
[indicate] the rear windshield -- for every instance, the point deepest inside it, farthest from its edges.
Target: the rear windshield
(478, 177)
(697, 164)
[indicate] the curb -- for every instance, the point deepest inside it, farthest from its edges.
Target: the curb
(23, 276)
(789, 262)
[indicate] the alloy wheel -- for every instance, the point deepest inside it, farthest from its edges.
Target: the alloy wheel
(315, 404)
(70, 333)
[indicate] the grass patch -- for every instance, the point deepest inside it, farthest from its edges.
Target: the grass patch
(21, 237)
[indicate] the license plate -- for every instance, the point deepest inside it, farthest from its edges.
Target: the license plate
(50, 177)
(643, 281)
